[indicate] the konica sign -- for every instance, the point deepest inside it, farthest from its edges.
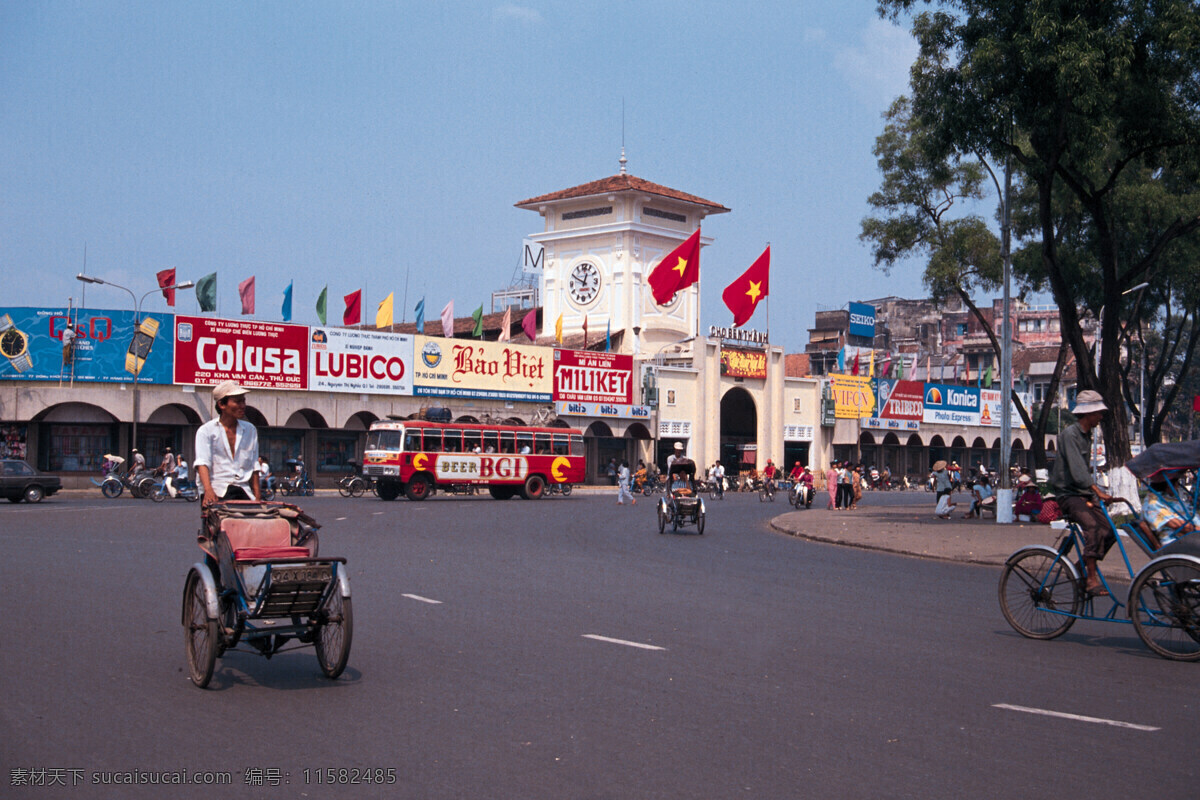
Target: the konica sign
(953, 405)
(862, 320)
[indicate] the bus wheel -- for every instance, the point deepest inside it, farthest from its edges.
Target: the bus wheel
(535, 487)
(500, 492)
(417, 488)
(387, 490)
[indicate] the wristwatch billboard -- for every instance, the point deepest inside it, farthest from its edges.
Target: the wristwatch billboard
(139, 348)
(14, 345)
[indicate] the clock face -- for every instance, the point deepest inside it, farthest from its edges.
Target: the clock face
(142, 342)
(584, 283)
(12, 343)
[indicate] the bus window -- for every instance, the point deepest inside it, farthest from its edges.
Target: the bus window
(562, 445)
(412, 441)
(506, 442)
(541, 444)
(471, 442)
(524, 443)
(577, 446)
(433, 440)
(452, 441)
(384, 440)
(491, 442)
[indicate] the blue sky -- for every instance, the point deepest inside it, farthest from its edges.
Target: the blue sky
(347, 143)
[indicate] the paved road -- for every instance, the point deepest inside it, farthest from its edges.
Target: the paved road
(787, 668)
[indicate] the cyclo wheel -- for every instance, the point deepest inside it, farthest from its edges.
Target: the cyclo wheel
(335, 634)
(700, 518)
(112, 489)
(1164, 604)
(358, 487)
(199, 632)
(1040, 593)
(344, 487)
(662, 518)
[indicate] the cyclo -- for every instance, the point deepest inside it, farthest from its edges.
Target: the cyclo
(262, 583)
(1042, 589)
(682, 505)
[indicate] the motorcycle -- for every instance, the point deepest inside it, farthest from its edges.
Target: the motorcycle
(564, 489)
(801, 495)
(183, 491)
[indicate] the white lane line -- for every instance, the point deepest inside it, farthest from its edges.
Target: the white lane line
(638, 645)
(376, 513)
(339, 519)
(420, 599)
(1061, 715)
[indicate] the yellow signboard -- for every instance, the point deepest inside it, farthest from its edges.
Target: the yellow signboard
(473, 368)
(852, 396)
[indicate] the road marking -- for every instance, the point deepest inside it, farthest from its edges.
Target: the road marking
(1061, 715)
(376, 513)
(420, 599)
(339, 519)
(639, 645)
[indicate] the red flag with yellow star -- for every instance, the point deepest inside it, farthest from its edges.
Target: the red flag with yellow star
(742, 295)
(677, 271)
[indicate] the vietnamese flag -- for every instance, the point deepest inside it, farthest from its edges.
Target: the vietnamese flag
(166, 280)
(353, 313)
(742, 295)
(677, 271)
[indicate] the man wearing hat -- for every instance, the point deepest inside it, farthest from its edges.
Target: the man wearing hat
(677, 454)
(227, 449)
(1076, 491)
(942, 488)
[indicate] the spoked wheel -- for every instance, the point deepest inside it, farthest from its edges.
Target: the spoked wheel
(111, 489)
(158, 494)
(265, 491)
(1040, 593)
(358, 487)
(700, 522)
(662, 519)
(1164, 605)
(335, 634)
(344, 488)
(566, 490)
(199, 632)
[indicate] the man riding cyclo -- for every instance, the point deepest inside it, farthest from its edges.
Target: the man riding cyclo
(682, 474)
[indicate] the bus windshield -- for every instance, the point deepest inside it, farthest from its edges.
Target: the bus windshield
(384, 440)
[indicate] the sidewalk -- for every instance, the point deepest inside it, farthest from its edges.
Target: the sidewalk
(917, 532)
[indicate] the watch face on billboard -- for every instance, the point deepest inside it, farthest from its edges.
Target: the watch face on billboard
(141, 344)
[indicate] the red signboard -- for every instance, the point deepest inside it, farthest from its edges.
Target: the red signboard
(905, 401)
(265, 355)
(584, 376)
(738, 363)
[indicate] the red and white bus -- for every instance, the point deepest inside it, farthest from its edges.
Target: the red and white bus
(414, 456)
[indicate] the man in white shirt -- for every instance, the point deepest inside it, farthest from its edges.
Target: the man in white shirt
(226, 459)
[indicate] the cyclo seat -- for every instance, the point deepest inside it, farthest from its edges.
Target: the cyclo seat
(245, 530)
(261, 538)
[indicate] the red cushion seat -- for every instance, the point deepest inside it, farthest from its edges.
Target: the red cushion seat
(248, 553)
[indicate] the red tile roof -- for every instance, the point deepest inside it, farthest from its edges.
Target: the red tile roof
(623, 183)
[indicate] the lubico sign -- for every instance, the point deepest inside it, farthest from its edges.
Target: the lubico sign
(364, 361)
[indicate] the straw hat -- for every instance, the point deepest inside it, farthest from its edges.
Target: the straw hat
(228, 389)
(1024, 480)
(938, 466)
(1087, 402)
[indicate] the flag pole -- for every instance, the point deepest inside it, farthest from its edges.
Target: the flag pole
(404, 310)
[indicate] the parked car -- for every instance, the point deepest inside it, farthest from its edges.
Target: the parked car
(19, 481)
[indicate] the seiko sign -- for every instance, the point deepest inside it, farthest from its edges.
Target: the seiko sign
(738, 335)
(862, 320)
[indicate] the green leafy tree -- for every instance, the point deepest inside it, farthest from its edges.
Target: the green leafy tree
(1079, 94)
(920, 190)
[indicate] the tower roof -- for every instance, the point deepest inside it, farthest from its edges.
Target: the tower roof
(622, 183)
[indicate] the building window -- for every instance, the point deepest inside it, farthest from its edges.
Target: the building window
(796, 405)
(279, 446)
(587, 212)
(75, 448)
(335, 450)
(961, 329)
(670, 397)
(654, 212)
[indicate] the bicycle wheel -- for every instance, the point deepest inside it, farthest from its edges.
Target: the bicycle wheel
(1164, 604)
(662, 519)
(358, 487)
(335, 634)
(344, 487)
(1040, 593)
(112, 489)
(200, 632)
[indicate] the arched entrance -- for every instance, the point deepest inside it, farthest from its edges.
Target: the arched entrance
(601, 448)
(739, 431)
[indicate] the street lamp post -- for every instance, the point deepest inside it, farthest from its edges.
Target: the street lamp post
(137, 320)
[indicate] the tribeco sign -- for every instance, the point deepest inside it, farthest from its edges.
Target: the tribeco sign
(265, 355)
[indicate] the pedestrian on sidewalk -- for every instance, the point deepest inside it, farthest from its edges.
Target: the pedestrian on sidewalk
(831, 485)
(623, 480)
(942, 486)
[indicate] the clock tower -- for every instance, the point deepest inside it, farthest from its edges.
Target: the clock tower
(602, 241)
